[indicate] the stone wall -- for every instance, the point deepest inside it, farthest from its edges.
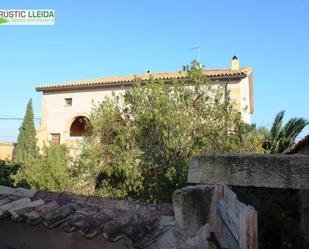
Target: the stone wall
(277, 186)
(259, 170)
(6, 150)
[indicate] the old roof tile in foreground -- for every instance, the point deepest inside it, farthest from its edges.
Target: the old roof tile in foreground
(91, 216)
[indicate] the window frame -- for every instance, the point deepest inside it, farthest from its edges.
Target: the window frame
(55, 138)
(68, 102)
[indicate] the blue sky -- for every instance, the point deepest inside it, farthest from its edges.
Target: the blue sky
(104, 38)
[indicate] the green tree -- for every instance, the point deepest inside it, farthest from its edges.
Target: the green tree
(140, 144)
(50, 170)
(26, 147)
(108, 163)
(280, 138)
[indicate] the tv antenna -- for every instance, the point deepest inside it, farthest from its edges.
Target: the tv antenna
(198, 52)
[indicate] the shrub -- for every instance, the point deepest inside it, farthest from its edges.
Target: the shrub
(6, 172)
(49, 171)
(140, 144)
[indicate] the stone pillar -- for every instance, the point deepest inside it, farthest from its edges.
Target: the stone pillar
(192, 207)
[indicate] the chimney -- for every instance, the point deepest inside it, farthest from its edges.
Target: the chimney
(235, 63)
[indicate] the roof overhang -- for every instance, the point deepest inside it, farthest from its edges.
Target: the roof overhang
(124, 84)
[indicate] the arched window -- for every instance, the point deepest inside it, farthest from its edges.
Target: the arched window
(78, 126)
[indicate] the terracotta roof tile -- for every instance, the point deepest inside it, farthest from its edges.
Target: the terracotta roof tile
(4, 143)
(137, 222)
(299, 145)
(129, 79)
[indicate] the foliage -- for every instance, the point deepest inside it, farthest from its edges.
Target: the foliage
(26, 147)
(49, 171)
(109, 158)
(282, 138)
(141, 143)
(6, 172)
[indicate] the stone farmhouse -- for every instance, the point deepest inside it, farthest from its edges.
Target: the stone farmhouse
(66, 106)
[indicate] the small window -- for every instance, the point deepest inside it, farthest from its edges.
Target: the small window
(55, 138)
(68, 101)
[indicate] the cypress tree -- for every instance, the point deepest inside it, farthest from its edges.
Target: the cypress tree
(26, 148)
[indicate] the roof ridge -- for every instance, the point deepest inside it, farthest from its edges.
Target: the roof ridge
(298, 145)
(120, 80)
(5, 143)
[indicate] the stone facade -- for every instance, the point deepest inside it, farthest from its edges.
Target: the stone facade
(6, 150)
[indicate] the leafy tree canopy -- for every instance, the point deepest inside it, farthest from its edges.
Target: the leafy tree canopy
(280, 138)
(140, 144)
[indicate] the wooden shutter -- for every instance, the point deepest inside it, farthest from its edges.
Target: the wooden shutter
(55, 138)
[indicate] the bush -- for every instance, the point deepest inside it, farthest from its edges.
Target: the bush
(140, 144)
(6, 172)
(109, 163)
(49, 171)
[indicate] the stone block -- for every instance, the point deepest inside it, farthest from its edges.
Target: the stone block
(257, 170)
(192, 207)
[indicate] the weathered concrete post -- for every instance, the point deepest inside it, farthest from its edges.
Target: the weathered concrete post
(192, 207)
